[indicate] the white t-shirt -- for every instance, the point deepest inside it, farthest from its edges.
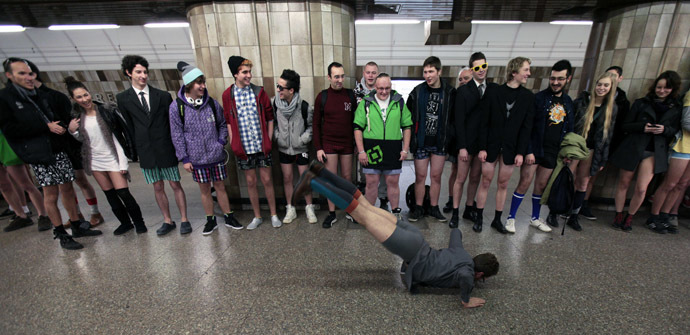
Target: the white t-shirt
(383, 105)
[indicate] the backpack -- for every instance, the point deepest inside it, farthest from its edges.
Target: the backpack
(180, 108)
(350, 93)
(562, 192)
(305, 112)
(411, 202)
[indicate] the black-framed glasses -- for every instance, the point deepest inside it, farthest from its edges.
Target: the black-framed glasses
(280, 88)
(480, 67)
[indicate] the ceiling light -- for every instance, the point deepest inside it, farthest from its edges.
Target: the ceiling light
(387, 21)
(11, 28)
(167, 25)
(574, 23)
(495, 22)
(82, 26)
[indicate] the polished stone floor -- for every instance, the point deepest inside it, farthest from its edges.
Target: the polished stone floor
(304, 279)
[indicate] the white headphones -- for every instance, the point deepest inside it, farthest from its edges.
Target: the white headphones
(196, 102)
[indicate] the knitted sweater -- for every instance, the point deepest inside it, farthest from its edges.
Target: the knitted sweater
(201, 139)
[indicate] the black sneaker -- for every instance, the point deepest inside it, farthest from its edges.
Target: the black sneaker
(436, 214)
(453, 223)
(586, 212)
(397, 212)
(403, 268)
(231, 222)
(552, 220)
(66, 241)
(6, 212)
(349, 217)
(477, 227)
(80, 231)
(140, 227)
(383, 203)
(44, 223)
(448, 207)
(210, 225)
(329, 221)
(671, 229)
(123, 228)
(18, 223)
(573, 222)
(655, 226)
(416, 213)
(498, 225)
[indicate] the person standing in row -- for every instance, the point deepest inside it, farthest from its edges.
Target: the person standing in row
(431, 104)
(249, 115)
(650, 125)
(334, 110)
(382, 135)
(34, 131)
(468, 116)
(507, 116)
(145, 109)
(106, 147)
(199, 134)
(293, 133)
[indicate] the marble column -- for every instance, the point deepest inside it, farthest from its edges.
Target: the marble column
(304, 36)
(644, 40)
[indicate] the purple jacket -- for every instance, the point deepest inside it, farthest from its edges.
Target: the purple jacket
(201, 139)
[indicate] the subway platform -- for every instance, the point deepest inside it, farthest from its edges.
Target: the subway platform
(303, 279)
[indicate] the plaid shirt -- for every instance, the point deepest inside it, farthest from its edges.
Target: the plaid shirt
(248, 119)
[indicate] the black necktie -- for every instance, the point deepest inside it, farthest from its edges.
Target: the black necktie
(481, 90)
(143, 102)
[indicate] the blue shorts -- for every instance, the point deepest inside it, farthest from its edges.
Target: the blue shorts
(383, 172)
(426, 152)
(680, 155)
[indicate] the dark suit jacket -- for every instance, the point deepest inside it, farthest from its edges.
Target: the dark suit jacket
(499, 134)
(151, 133)
(467, 119)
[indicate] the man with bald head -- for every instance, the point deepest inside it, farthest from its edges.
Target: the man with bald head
(382, 134)
(464, 76)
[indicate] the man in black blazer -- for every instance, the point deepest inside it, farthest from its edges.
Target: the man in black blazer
(146, 110)
(507, 114)
(466, 122)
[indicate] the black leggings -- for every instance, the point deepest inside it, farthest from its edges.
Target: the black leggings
(406, 241)
(124, 205)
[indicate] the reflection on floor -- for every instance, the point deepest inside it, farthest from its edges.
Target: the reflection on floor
(305, 279)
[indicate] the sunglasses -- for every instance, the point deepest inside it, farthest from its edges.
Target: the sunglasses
(280, 88)
(480, 67)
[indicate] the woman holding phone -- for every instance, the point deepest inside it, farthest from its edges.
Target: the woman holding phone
(649, 128)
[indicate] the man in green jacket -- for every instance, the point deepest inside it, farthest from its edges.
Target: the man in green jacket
(382, 135)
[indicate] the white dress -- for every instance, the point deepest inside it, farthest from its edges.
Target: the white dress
(101, 156)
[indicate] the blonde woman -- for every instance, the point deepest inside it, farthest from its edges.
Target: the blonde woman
(595, 115)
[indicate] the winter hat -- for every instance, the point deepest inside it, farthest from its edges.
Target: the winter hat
(234, 63)
(189, 72)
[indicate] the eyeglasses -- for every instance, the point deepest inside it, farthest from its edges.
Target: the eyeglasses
(480, 67)
(280, 88)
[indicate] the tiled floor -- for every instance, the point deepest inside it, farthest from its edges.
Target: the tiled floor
(305, 279)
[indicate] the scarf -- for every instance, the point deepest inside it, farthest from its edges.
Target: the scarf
(29, 95)
(288, 108)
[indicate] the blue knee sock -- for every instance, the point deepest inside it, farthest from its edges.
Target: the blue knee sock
(536, 205)
(515, 204)
(342, 199)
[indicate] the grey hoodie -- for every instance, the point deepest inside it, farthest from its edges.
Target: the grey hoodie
(291, 134)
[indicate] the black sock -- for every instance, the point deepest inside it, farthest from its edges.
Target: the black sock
(117, 206)
(60, 229)
(450, 200)
(480, 212)
(577, 202)
(455, 211)
(331, 213)
(497, 215)
(132, 207)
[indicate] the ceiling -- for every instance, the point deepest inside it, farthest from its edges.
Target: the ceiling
(42, 13)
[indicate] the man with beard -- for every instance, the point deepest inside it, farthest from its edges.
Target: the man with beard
(553, 118)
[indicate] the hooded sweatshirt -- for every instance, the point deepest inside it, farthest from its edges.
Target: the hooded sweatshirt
(202, 138)
(291, 133)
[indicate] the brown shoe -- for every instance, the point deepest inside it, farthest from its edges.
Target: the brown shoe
(303, 185)
(96, 219)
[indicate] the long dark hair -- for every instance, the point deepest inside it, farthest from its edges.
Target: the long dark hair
(72, 85)
(672, 79)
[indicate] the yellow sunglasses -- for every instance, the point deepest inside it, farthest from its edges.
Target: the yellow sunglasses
(482, 67)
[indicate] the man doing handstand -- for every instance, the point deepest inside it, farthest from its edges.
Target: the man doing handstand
(445, 268)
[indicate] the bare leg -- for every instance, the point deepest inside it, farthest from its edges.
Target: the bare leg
(162, 200)
(437, 163)
(83, 183)
(504, 174)
(372, 187)
(332, 165)
(68, 200)
(393, 190)
(9, 193)
(18, 190)
(487, 176)
(307, 196)
(287, 181)
(222, 196)
(677, 193)
(266, 180)
(180, 199)
(421, 167)
(461, 175)
(624, 178)
(645, 173)
(20, 175)
(50, 201)
(451, 178)
(526, 177)
(206, 198)
(346, 166)
(475, 178)
(250, 177)
(666, 192)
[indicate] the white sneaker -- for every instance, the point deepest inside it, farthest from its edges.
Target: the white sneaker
(510, 226)
(255, 223)
(539, 224)
(311, 216)
(291, 214)
(275, 221)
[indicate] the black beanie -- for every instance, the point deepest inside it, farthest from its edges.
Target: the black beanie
(234, 63)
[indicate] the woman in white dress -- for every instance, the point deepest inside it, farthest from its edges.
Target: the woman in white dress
(107, 145)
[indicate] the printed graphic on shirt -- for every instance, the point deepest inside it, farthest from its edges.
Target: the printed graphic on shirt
(348, 105)
(432, 107)
(556, 113)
